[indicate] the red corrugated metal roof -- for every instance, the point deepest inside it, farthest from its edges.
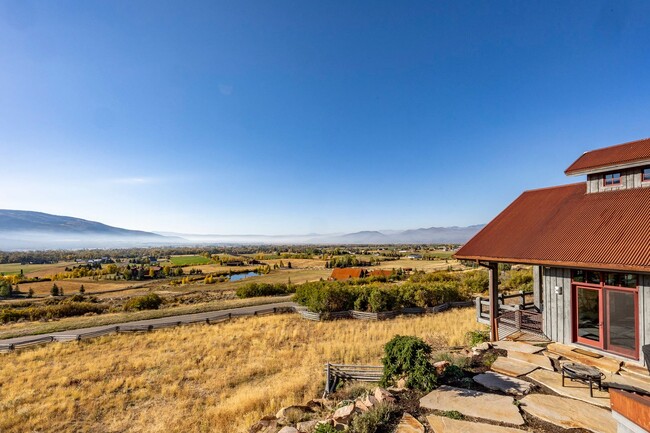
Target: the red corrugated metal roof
(620, 154)
(346, 273)
(381, 273)
(565, 226)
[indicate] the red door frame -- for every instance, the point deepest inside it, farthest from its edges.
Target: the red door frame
(600, 344)
(604, 326)
(616, 349)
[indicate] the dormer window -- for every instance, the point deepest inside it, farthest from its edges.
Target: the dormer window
(646, 174)
(612, 179)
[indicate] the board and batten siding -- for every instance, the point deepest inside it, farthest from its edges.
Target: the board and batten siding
(630, 178)
(557, 307)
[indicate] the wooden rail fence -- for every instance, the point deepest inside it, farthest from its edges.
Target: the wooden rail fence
(335, 373)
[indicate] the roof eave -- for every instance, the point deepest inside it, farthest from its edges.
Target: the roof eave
(605, 168)
(561, 264)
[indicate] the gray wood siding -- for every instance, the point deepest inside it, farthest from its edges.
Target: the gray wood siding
(644, 311)
(557, 308)
(630, 178)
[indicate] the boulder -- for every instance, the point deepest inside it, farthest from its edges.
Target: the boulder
(359, 404)
(370, 401)
(441, 366)
(409, 424)
(482, 347)
(288, 430)
(265, 425)
(295, 410)
(383, 396)
(307, 426)
(344, 414)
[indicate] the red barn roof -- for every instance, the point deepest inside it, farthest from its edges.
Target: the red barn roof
(565, 226)
(346, 273)
(381, 273)
(614, 156)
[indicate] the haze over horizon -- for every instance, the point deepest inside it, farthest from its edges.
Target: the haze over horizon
(304, 117)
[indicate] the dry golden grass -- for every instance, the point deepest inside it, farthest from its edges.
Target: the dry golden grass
(199, 378)
(34, 270)
(420, 265)
(72, 286)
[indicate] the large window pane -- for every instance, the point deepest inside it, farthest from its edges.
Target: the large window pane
(588, 314)
(622, 330)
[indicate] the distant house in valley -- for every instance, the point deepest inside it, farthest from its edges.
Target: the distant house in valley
(342, 274)
(414, 256)
(380, 273)
(589, 244)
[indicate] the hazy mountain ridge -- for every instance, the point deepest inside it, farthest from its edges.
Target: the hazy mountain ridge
(22, 230)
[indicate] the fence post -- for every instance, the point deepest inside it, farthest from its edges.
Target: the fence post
(479, 308)
(229, 316)
(523, 298)
(327, 381)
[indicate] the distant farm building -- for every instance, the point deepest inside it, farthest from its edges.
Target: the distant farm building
(414, 256)
(380, 273)
(342, 274)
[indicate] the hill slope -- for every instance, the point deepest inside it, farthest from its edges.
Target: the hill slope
(36, 230)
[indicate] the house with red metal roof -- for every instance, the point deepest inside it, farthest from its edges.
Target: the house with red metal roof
(342, 274)
(589, 244)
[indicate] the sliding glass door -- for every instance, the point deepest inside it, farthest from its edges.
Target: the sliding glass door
(606, 311)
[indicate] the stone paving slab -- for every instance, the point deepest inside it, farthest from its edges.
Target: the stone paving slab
(473, 403)
(517, 346)
(503, 383)
(634, 376)
(512, 367)
(575, 390)
(627, 381)
(532, 358)
(604, 363)
(441, 424)
(569, 413)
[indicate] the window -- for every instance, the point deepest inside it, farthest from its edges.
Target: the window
(645, 176)
(612, 179)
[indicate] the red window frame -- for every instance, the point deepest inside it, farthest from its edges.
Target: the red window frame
(644, 177)
(614, 181)
(603, 289)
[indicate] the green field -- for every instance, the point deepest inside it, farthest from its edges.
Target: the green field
(14, 268)
(189, 260)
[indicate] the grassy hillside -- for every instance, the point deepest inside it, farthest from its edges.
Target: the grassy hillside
(197, 378)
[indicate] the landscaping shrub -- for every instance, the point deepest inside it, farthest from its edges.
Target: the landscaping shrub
(408, 356)
(330, 296)
(325, 428)
(374, 420)
(475, 281)
(147, 302)
(252, 290)
(66, 309)
(477, 337)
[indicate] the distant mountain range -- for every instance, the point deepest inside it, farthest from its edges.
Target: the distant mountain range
(26, 230)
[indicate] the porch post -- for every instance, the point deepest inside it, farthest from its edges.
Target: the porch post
(493, 270)
(537, 287)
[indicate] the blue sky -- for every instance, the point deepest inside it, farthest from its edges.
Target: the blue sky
(282, 117)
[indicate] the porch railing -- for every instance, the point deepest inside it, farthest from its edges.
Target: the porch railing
(483, 305)
(529, 322)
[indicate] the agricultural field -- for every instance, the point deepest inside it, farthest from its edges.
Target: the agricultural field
(199, 378)
(421, 265)
(72, 286)
(33, 270)
(189, 260)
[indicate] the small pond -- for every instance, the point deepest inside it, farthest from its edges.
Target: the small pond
(237, 277)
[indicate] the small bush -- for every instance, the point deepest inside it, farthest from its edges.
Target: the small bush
(147, 302)
(404, 355)
(374, 420)
(477, 337)
(252, 290)
(325, 428)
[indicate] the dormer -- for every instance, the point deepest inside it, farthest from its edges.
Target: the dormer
(613, 168)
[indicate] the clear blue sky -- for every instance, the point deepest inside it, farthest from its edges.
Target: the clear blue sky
(282, 117)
